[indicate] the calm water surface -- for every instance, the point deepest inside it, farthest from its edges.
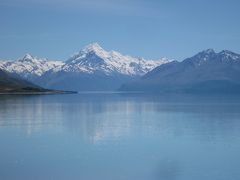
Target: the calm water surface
(119, 137)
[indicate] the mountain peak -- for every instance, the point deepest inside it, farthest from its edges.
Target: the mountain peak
(208, 51)
(32, 59)
(93, 58)
(227, 52)
(93, 47)
(27, 56)
(229, 55)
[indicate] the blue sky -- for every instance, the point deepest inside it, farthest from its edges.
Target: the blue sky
(148, 28)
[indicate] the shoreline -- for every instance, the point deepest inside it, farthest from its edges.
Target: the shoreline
(38, 93)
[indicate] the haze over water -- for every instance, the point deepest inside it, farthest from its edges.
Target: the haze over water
(108, 136)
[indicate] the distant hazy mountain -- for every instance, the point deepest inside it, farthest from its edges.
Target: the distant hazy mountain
(10, 83)
(206, 72)
(92, 68)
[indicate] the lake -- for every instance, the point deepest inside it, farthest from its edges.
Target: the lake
(118, 136)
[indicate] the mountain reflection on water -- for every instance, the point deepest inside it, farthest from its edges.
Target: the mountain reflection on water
(119, 136)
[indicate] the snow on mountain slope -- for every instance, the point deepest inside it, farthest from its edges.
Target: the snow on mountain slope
(2, 64)
(29, 66)
(93, 59)
(205, 72)
(210, 55)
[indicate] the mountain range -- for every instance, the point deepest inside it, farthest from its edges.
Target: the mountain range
(206, 72)
(91, 69)
(95, 69)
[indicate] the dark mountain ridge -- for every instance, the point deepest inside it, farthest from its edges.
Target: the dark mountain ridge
(13, 83)
(205, 72)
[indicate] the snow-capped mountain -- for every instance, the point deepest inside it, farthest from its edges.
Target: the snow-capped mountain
(94, 59)
(210, 55)
(206, 72)
(29, 66)
(92, 68)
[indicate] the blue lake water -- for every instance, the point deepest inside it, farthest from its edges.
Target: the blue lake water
(110, 136)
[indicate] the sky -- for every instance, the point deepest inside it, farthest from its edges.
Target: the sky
(151, 29)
